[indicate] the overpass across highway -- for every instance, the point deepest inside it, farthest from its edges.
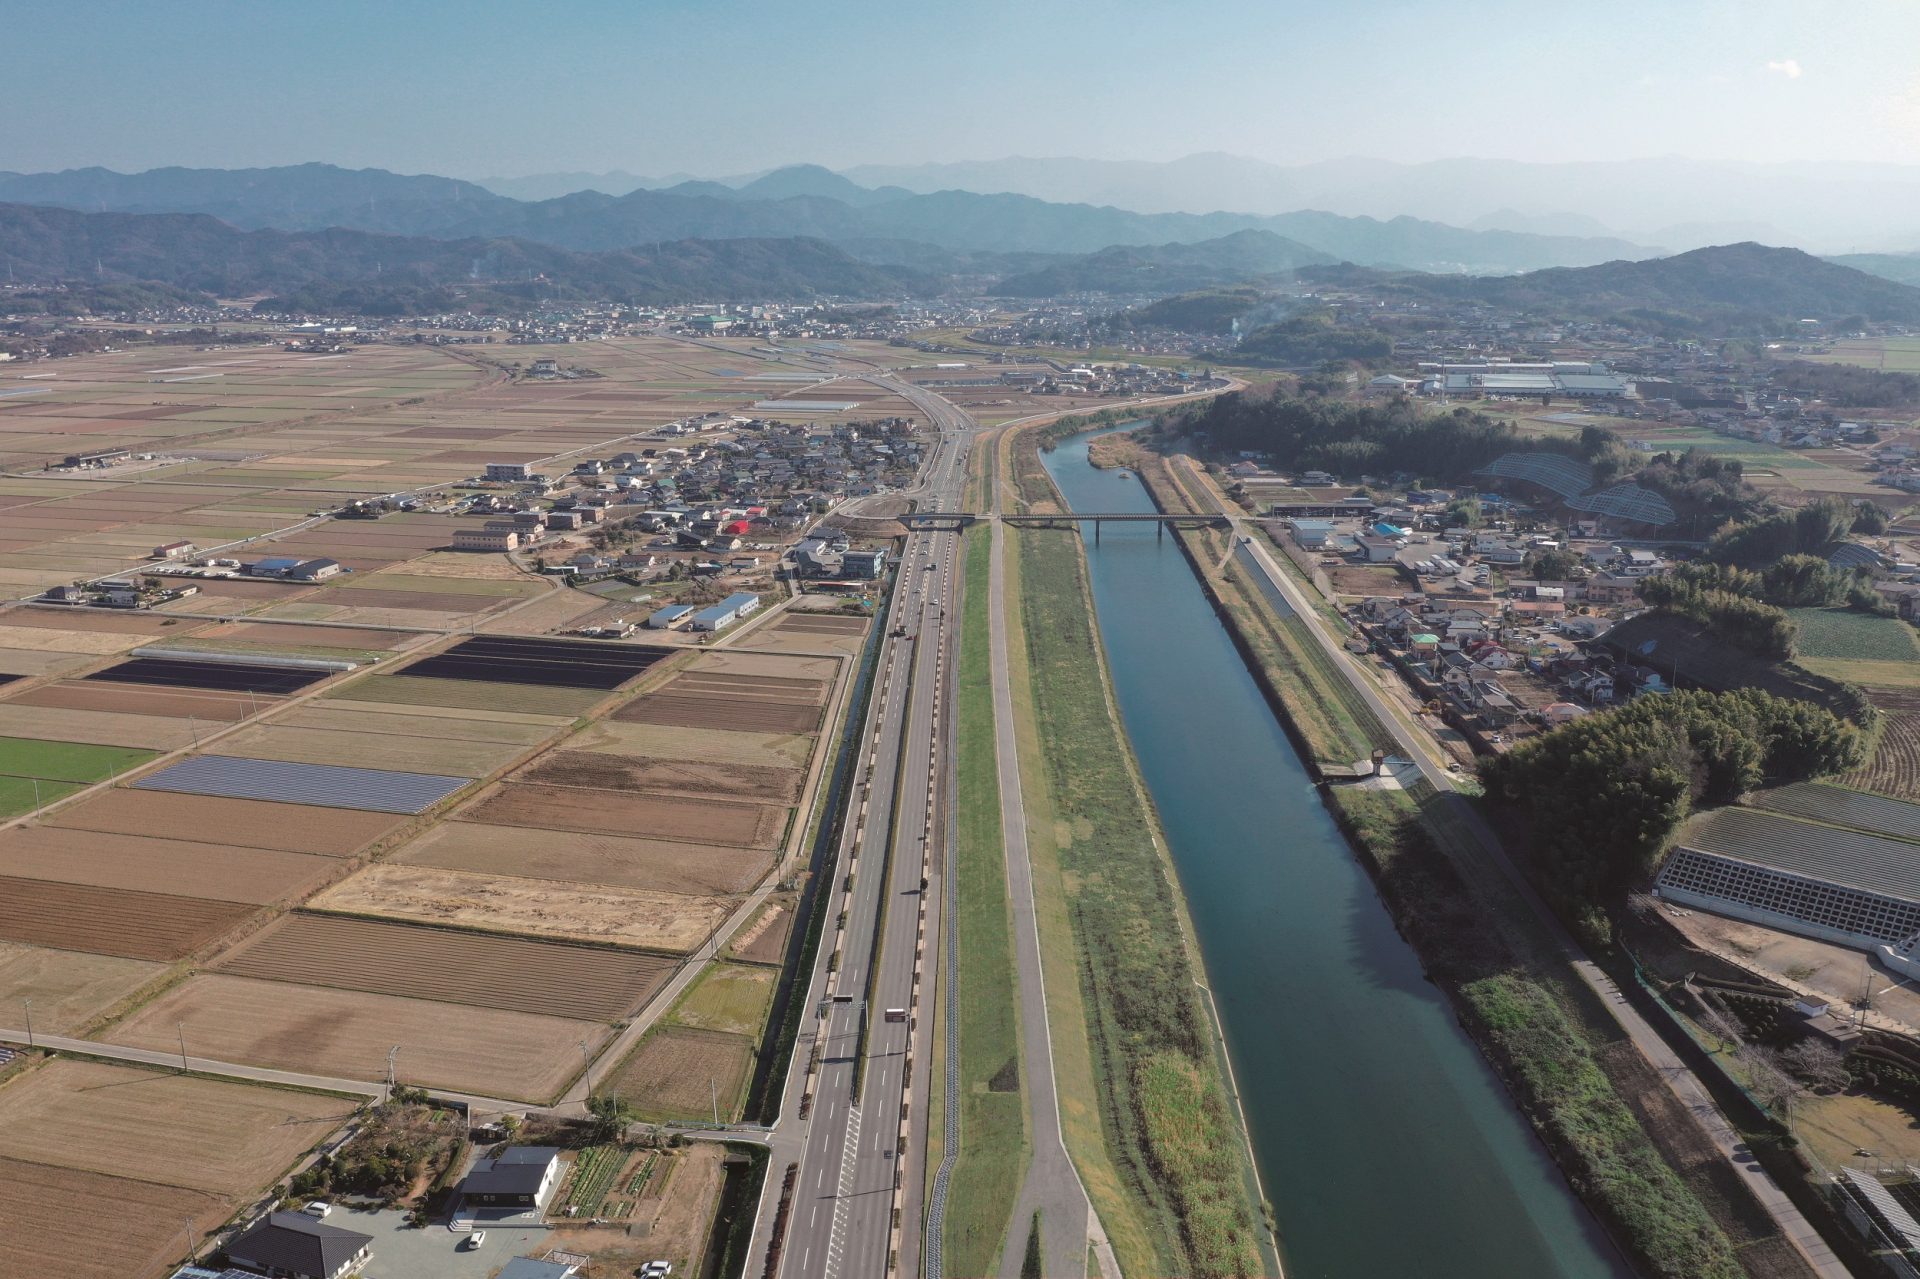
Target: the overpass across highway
(957, 520)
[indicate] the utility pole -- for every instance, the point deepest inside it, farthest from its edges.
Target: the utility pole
(187, 1227)
(28, 1004)
(586, 1056)
(392, 1053)
(713, 1092)
(181, 1026)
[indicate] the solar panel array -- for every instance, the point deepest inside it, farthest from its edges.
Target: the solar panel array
(1627, 502)
(563, 663)
(1556, 472)
(376, 790)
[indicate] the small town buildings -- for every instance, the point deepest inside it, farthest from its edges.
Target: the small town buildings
(508, 472)
(173, 550)
(865, 565)
(486, 539)
(519, 1177)
(295, 570)
(726, 612)
(670, 617)
(292, 1245)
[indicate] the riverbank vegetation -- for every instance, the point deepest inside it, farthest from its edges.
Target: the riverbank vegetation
(994, 1149)
(1626, 1145)
(1158, 1091)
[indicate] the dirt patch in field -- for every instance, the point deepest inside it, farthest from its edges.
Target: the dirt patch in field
(761, 750)
(614, 813)
(49, 1212)
(371, 750)
(698, 777)
(206, 1134)
(346, 1034)
(248, 823)
(111, 921)
(699, 870)
(764, 941)
(667, 1076)
(221, 872)
(510, 904)
(597, 983)
(139, 699)
(68, 988)
(711, 710)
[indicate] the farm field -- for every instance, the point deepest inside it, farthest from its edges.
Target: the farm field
(220, 872)
(733, 998)
(675, 1073)
(1893, 354)
(143, 732)
(719, 710)
(469, 726)
(621, 861)
(346, 1034)
(527, 699)
(212, 1135)
(595, 983)
(135, 699)
(1894, 767)
(755, 750)
(447, 756)
(112, 921)
(697, 777)
(68, 988)
(293, 828)
(1843, 634)
(511, 904)
(47, 1208)
(617, 813)
(66, 761)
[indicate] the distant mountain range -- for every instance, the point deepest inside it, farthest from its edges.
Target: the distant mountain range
(362, 271)
(1733, 285)
(801, 200)
(1670, 201)
(1167, 268)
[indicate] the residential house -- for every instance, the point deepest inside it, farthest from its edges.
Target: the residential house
(292, 1245)
(519, 1177)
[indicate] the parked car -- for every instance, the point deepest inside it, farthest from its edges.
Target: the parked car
(476, 1240)
(318, 1208)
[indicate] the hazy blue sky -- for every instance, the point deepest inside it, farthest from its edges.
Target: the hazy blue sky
(723, 86)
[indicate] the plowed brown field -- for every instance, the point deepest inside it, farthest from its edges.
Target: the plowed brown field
(349, 717)
(222, 872)
(304, 636)
(762, 750)
(206, 1134)
(520, 974)
(719, 710)
(111, 921)
(585, 858)
(135, 699)
(346, 1034)
(371, 750)
(810, 692)
(49, 1212)
(529, 699)
(248, 823)
(613, 813)
(538, 907)
(697, 777)
(59, 724)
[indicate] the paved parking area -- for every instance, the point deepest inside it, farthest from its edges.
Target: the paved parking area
(401, 1251)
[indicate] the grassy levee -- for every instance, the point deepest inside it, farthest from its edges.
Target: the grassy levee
(1141, 1091)
(1598, 1111)
(994, 1146)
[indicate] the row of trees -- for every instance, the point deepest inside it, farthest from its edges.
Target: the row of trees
(1604, 794)
(1805, 530)
(1739, 620)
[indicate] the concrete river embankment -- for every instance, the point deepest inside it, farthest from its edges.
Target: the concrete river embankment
(1385, 1142)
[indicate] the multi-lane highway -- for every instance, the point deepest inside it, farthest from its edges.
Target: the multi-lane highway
(854, 1115)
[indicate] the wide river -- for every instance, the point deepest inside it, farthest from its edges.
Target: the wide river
(1386, 1143)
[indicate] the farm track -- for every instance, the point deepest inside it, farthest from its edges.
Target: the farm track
(487, 971)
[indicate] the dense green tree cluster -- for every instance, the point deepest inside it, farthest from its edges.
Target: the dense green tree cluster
(1738, 619)
(1604, 793)
(1805, 530)
(1313, 337)
(1554, 564)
